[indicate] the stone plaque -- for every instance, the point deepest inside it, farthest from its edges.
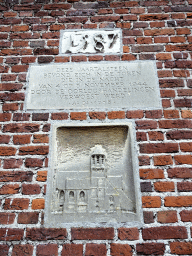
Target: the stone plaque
(90, 41)
(93, 176)
(104, 85)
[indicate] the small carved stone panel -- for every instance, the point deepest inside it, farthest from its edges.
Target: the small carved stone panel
(90, 41)
(92, 177)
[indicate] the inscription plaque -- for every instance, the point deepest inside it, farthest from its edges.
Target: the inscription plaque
(90, 41)
(111, 85)
(93, 175)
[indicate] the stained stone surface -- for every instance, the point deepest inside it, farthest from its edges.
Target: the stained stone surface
(104, 85)
(93, 175)
(90, 41)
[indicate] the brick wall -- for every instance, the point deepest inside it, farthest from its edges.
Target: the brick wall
(152, 30)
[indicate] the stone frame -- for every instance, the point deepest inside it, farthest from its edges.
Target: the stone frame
(134, 219)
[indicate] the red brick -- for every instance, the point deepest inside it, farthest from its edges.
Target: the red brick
(2, 234)
(44, 234)
(150, 249)
(20, 128)
(148, 217)
(78, 58)
(14, 234)
(180, 173)
(92, 233)
(185, 92)
(21, 139)
(171, 83)
(178, 201)
(162, 160)
(151, 174)
(21, 116)
(28, 218)
(16, 204)
(4, 139)
(186, 215)
(134, 114)
(59, 116)
(12, 163)
(141, 136)
(15, 176)
(72, 249)
(154, 135)
(178, 47)
(167, 217)
(47, 250)
(151, 201)
(171, 113)
(41, 175)
(183, 159)
(186, 146)
(181, 248)
(184, 186)
(116, 115)
(33, 162)
(10, 106)
(61, 59)
(38, 204)
(179, 134)
(6, 218)
(167, 93)
(153, 114)
(144, 160)
(40, 116)
(164, 232)
(34, 150)
(167, 124)
(7, 151)
(78, 116)
(95, 250)
(22, 250)
(165, 186)
(95, 58)
(128, 234)
(31, 189)
(4, 249)
(121, 249)
(40, 138)
(97, 115)
(9, 189)
(159, 148)
(112, 57)
(128, 57)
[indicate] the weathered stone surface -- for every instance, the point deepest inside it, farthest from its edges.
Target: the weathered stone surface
(131, 85)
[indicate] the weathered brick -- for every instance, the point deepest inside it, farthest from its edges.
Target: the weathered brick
(178, 201)
(184, 186)
(164, 186)
(92, 233)
(12, 163)
(9, 189)
(164, 232)
(155, 136)
(16, 204)
(21, 139)
(22, 250)
(186, 215)
(116, 115)
(21, 117)
(150, 249)
(28, 218)
(6, 218)
(4, 249)
(144, 160)
(78, 116)
(47, 250)
(72, 249)
(181, 248)
(34, 150)
(151, 202)
(148, 217)
(4, 139)
(95, 250)
(40, 138)
(31, 189)
(7, 151)
(38, 204)
(43, 234)
(59, 116)
(40, 116)
(20, 128)
(159, 148)
(183, 159)
(151, 174)
(41, 175)
(121, 249)
(15, 176)
(128, 233)
(162, 160)
(168, 124)
(167, 217)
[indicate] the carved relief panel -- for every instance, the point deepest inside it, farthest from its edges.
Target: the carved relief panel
(90, 41)
(93, 173)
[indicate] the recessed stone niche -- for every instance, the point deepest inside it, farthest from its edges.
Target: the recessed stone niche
(93, 175)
